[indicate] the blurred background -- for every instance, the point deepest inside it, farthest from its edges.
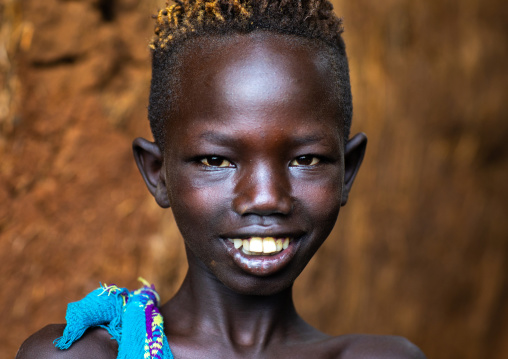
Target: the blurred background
(421, 249)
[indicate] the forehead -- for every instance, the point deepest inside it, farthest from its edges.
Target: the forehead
(254, 75)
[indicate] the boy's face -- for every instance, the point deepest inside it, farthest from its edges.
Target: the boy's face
(254, 150)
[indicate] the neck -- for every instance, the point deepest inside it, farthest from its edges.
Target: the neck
(214, 310)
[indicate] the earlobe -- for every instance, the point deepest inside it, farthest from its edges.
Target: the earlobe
(149, 159)
(353, 157)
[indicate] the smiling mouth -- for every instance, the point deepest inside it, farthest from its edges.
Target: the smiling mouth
(259, 246)
(262, 256)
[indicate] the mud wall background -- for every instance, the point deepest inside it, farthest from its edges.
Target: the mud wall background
(420, 250)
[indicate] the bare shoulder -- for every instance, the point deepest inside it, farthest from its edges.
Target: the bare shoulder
(376, 347)
(95, 343)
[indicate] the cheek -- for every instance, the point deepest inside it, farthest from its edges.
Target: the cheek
(320, 199)
(198, 208)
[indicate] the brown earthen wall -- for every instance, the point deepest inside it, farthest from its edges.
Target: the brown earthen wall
(420, 250)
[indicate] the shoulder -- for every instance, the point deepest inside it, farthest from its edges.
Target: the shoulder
(95, 343)
(377, 347)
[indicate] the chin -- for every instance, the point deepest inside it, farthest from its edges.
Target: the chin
(260, 289)
(247, 284)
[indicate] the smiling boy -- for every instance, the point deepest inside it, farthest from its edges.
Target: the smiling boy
(250, 108)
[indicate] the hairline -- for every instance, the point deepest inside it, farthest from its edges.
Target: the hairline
(171, 60)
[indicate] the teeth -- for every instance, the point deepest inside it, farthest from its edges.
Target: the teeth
(269, 245)
(246, 244)
(259, 246)
(278, 244)
(256, 245)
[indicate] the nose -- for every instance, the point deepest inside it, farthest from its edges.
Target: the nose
(263, 191)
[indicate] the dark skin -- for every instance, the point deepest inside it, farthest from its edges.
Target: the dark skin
(254, 149)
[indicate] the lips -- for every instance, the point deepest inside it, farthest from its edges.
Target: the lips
(261, 245)
(262, 256)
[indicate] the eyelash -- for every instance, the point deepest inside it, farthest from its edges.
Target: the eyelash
(315, 160)
(224, 163)
(207, 161)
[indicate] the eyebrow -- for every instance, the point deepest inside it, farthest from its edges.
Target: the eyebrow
(309, 139)
(217, 137)
(223, 139)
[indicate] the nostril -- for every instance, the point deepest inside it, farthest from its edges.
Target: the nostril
(263, 190)
(263, 203)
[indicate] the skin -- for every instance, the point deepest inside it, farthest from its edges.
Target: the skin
(254, 149)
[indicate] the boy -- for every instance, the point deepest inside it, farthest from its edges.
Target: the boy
(250, 108)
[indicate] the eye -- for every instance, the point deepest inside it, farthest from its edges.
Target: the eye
(216, 161)
(306, 160)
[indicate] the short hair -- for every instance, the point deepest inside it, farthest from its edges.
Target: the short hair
(187, 19)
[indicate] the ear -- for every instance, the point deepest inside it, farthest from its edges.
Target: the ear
(149, 160)
(353, 157)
